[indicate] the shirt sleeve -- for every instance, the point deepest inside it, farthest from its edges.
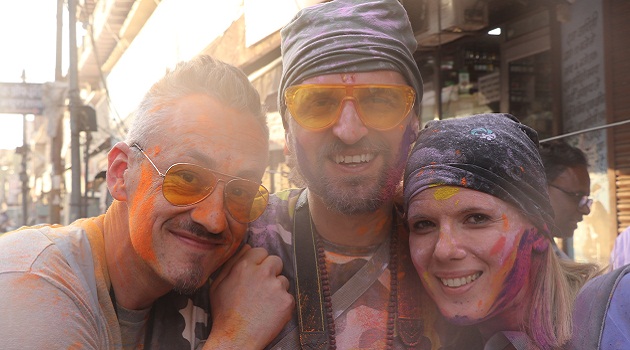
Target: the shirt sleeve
(46, 309)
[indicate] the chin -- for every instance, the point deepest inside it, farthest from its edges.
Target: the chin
(460, 320)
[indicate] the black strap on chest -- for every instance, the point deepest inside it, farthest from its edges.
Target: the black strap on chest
(313, 332)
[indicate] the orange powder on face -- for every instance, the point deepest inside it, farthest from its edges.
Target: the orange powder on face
(443, 193)
(463, 182)
(506, 222)
(144, 203)
(498, 246)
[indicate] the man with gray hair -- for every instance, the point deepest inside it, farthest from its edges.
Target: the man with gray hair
(349, 97)
(184, 193)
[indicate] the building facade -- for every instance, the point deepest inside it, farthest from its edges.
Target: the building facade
(558, 65)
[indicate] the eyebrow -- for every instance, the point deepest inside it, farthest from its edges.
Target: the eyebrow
(204, 160)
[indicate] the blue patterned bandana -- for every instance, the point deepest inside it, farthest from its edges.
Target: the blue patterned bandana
(348, 36)
(491, 153)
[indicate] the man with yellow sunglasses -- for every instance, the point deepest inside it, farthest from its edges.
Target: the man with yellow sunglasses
(349, 95)
(184, 192)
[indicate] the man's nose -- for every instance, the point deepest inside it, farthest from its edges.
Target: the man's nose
(211, 212)
(584, 210)
(349, 128)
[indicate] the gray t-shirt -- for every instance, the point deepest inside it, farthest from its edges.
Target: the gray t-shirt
(54, 294)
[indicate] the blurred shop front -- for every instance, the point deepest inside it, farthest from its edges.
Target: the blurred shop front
(543, 61)
(560, 66)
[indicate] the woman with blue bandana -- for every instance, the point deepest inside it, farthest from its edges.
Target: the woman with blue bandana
(479, 218)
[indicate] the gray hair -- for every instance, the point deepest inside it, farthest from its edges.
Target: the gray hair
(201, 75)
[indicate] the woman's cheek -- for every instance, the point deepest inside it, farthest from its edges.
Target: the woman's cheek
(421, 251)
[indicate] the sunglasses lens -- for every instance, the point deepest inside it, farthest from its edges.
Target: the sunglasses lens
(314, 107)
(186, 184)
(383, 108)
(380, 107)
(245, 200)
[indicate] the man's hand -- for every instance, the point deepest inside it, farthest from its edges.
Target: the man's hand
(250, 301)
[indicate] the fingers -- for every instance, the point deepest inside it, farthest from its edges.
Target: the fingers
(227, 266)
(248, 258)
(274, 264)
(284, 282)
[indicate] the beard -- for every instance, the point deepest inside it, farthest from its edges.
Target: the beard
(191, 280)
(351, 195)
(186, 277)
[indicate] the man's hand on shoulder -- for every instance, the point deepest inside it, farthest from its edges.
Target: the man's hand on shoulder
(250, 301)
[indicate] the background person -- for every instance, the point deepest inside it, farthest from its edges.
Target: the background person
(184, 192)
(569, 186)
(479, 216)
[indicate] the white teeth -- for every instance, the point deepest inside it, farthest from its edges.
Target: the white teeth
(458, 282)
(356, 159)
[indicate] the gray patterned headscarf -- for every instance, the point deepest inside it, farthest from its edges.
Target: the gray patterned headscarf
(491, 153)
(348, 36)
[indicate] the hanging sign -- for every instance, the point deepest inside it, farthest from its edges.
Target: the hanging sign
(21, 98)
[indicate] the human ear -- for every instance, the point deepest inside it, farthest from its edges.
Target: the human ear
(117, 164)
(288, 144)
(414, 124)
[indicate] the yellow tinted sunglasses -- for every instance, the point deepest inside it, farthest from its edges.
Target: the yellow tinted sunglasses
(381, 107)
(187, 184)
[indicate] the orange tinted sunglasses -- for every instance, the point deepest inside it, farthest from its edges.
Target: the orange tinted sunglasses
(187, 184)
(379, 106)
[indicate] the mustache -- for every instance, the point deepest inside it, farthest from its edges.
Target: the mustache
(196, 230)
(366, 145)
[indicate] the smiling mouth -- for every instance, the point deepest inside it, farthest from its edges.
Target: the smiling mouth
(458, 282)
(356, 159)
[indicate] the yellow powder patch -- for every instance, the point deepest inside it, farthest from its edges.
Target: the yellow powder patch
(447, 192)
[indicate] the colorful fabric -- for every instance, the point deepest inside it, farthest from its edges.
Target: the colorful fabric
(491, 153)
(363, 324)
(346, 36)
(601, 317)
(54, 280)
(620, 254)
